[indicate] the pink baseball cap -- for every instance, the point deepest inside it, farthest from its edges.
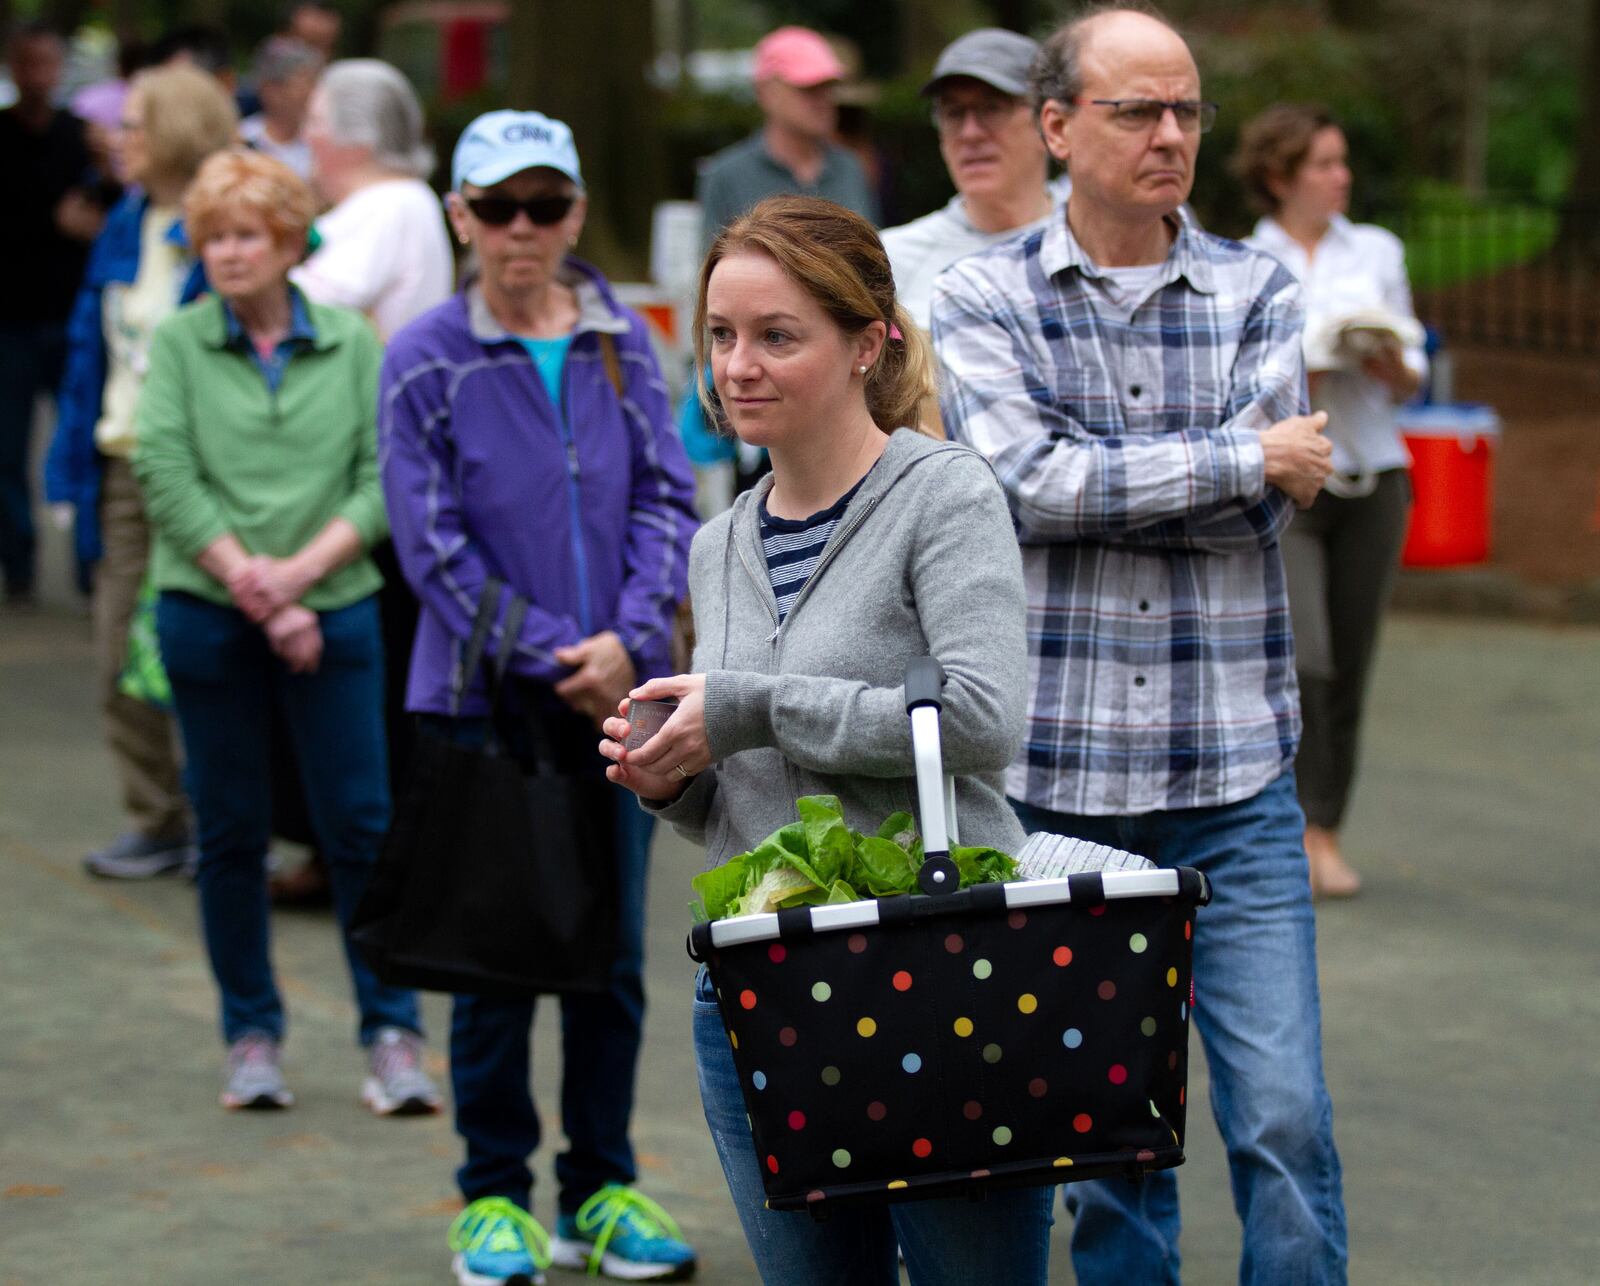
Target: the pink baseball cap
(797, 56)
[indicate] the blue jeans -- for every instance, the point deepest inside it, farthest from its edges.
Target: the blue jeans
(490, 1057)
(31, 356)
(946, 1242)
(1257, 1010)
(225, 682)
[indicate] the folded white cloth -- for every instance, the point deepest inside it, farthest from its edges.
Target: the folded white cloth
(1339, 340)
(1054, 857)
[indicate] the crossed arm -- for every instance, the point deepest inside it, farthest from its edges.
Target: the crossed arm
(1217, 489)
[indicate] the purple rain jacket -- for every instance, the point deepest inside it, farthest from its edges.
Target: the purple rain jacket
(587, 515)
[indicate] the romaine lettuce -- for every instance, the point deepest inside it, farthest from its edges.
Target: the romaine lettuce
(819, 859)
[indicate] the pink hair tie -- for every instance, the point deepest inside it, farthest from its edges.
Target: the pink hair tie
(894, 333)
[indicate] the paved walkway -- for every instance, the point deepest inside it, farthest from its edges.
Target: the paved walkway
(1460, 998)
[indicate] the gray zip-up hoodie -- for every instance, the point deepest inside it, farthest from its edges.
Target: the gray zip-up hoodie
(924, 562)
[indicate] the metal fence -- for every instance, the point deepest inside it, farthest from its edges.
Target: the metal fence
(1506, 273)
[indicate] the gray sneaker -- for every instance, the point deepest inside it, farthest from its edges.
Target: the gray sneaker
(133, 856)
(255, 1081)
(396, 1085)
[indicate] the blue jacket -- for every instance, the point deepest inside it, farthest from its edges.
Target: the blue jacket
(587, 514)
(72, 469)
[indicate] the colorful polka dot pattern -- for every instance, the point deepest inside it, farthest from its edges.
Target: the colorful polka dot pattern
(914, 1057)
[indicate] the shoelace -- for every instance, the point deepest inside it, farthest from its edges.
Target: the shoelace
(250, 1049)
(609, 1207)
(391, 1057)
(500, 1227)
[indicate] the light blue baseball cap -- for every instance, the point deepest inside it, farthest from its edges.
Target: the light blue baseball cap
(500, 144)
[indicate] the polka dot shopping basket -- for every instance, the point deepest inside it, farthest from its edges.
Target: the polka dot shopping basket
(949, 1042)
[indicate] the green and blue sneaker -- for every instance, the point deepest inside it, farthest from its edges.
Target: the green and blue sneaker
(498, 1243)
(622, 1234)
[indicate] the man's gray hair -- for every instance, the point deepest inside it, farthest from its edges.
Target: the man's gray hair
(371, 104)
(1057, 74)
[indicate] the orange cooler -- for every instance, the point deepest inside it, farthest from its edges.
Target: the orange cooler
(1452, 474)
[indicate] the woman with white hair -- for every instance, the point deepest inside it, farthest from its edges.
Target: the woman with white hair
(384, 247)
(385, 252)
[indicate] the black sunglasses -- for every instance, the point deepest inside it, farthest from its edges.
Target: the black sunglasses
(497, 211)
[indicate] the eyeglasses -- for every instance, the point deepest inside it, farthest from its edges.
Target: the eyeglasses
(990, 113)
(1194, 115)
(498, 211)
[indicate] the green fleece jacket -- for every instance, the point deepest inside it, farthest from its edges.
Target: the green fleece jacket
(924, 561)
(219, 452)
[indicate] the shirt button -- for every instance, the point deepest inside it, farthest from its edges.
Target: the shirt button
(1138, 680)
(1136, 389)
(1144, 604)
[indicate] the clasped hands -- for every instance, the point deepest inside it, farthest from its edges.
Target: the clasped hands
(602, 672)
(268, 591)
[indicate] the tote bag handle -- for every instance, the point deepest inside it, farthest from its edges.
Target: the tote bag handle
(544, 758)
(482, 623)
(936, 789)
(477, 644)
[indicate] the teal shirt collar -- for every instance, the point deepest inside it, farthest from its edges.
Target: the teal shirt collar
(301, 328)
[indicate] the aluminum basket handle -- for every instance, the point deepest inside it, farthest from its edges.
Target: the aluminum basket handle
(936, 790)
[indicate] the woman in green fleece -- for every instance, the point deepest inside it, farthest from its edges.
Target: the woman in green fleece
(867, 546)
(257, 452)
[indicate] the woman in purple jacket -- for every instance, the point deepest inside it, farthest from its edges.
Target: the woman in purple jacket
(525, 436)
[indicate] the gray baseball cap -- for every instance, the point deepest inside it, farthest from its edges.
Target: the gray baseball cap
(991, 54)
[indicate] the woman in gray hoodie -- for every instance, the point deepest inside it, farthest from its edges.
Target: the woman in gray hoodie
(867, 546)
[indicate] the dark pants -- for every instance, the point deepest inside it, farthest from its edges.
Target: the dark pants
(225, 682)
(490, 1057)
(1340, 556)
(31, 356)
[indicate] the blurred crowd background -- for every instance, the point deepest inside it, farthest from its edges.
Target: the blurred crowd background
(1474, 131)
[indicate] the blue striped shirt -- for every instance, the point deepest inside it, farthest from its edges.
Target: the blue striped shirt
(793, 547)
(1128, 444)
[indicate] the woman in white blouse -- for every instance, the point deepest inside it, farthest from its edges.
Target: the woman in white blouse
(384, 248)
(1363, 357)
(384, 251)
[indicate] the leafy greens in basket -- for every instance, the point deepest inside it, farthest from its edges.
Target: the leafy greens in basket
(819, 859)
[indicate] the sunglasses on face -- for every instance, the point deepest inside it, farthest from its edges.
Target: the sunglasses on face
(498, 211)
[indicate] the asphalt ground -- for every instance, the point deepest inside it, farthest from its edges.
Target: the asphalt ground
(1462, 1017)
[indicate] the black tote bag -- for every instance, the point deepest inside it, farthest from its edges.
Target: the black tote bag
(499, 872)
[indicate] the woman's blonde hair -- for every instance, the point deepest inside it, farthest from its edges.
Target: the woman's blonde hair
(243, 179)
(186, 115)
(834, 255)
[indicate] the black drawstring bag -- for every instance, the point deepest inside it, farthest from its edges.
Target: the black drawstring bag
(499, 872)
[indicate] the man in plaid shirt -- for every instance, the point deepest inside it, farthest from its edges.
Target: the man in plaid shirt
(1137, 384)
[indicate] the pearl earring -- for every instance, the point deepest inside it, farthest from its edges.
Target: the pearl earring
(862, 369)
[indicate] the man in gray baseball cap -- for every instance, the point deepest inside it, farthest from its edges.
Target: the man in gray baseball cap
(995, 157)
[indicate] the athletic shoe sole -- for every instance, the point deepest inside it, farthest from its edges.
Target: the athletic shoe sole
(565, 1253)
(149, 867)
(380, 1104)
(466, 1277)
(274, 1102)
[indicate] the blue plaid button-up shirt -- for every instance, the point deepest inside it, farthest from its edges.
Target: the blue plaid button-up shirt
(1126, 435)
